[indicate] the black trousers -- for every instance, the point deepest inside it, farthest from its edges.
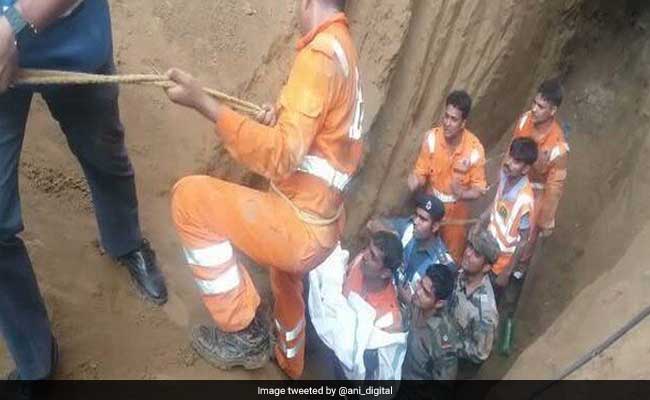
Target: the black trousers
(89, 118)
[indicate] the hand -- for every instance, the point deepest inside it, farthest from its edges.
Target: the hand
(503, 279)
(474, 230)
(268, 116)
(187, 91)
(545, 232)
(372, 226)
(413, 182)
(8, 55)
(457, 190)
(405, 294)
(527, 253)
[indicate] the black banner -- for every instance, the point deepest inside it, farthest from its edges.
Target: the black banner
(307, 390)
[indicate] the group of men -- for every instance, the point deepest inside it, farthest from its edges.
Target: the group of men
(448, 286)
(309, 145)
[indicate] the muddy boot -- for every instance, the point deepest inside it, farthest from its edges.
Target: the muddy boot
(248, 348)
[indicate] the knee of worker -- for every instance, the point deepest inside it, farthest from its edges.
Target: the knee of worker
(185, 198)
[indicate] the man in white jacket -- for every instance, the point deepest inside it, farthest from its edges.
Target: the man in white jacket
(355, 311)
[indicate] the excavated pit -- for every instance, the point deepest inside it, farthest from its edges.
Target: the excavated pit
(589, 278)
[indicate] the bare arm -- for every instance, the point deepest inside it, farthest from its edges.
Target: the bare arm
(36, 12)
(42, 13)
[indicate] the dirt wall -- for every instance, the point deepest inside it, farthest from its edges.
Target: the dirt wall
(591, 276)
(413, 53)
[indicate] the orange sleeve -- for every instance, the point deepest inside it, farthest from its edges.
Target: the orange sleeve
(276, 152)
(422, 166)
(552, 193)
(477, 178)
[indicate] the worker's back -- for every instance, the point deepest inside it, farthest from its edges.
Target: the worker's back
(335, 153)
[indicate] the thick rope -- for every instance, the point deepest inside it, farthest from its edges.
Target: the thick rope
(305, 216)
(459, 222)
(36, 77)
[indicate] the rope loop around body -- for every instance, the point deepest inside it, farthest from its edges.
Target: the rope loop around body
(307, 217)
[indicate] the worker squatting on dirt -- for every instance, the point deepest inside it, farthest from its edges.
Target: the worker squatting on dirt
(72, 35)
(549, 172)
(451, 166)
(423, 245)
(510, 216)
(354, 309)
(473, 306)
(309, 149)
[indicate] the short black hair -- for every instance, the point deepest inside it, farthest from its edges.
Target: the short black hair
(524, 149)
(461, 100)
(551, 90)
(442, 279)
(390, 245)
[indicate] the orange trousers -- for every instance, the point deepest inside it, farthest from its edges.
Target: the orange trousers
(455, 235)
(213, 217)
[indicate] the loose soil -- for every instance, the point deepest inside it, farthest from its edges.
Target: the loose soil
(412, 54)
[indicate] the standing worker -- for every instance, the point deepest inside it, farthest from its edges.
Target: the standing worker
(472, 304)
(451, 166)
(510, 216)
(309, 149)
(70, 35)
(548, 174)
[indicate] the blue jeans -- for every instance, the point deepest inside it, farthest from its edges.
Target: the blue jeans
(89, 118)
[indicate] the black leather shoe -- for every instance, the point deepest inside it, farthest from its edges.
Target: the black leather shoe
(14, 376)
(145, 273)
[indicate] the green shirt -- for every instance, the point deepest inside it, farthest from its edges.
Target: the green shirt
(476, 316)
(432, 349)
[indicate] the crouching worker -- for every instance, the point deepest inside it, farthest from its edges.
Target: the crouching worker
(423, 245)
(472, 305)
(354, 309)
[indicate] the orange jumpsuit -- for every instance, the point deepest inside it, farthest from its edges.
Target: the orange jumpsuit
(439, 165)
(310, 154)
(384, 301)
(549, 173)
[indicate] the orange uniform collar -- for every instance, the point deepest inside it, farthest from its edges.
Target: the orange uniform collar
(336, 18)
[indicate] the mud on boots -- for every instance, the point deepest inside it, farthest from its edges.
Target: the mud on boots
(249, 348)
(309, 148)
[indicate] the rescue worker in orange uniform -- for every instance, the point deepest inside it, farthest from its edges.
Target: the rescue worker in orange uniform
(309, 146)
(549, 173)
(511, 215)
(451, 166)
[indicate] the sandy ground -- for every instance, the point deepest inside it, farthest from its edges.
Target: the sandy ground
(107, 332)
(104, 329)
